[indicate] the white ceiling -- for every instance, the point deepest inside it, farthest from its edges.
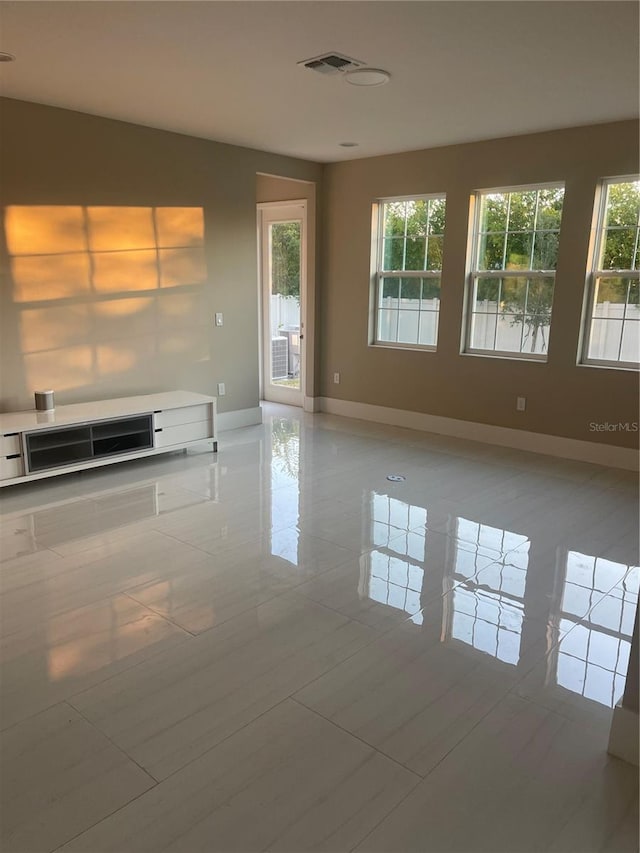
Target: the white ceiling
(461, 71)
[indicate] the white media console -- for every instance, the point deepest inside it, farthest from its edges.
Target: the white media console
(34, 445)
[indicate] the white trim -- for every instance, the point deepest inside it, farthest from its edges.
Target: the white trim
(519, 188)
(623, 739)
(312, 404)
(267, 205)
(419, 197)
(239, 418)
(534, 442)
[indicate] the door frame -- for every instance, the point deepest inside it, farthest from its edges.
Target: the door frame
(281, 212)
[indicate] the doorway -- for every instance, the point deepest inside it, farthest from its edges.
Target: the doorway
(283, 251)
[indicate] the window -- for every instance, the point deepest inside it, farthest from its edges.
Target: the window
(613, 333)
(513, 270)
(408, 271)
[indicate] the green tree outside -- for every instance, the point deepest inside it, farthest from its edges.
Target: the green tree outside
(621, 247)
(285, 259)
(413, 240)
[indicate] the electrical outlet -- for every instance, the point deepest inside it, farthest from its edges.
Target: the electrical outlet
(521, 404)
(221, 389)
(336, 378)
(219, 319)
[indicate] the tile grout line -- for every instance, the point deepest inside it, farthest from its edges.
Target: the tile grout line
(112, 742)
(124, 805)
(419, 777)
(128, 594)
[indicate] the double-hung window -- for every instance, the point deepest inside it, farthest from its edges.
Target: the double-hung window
(512, 278)
(408, 271)
(613, 317)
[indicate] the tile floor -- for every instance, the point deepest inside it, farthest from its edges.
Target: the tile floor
(279, 649)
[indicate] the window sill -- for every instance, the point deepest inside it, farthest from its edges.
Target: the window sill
(501, 356)
(625, 368)
(403, 347)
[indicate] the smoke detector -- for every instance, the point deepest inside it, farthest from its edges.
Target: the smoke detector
(331, 63)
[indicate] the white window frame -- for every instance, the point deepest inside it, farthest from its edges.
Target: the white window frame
(379, 274)
(596, 273)
(474, 273)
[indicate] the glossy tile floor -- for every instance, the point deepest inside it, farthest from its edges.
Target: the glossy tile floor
(280, 649)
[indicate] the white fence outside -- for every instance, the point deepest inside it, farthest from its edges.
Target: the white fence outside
(409, 321)
(605, 342)
(285, 313)
(606, 328)
(398, 321)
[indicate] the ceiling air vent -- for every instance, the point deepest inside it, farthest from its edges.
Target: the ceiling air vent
(331, 63)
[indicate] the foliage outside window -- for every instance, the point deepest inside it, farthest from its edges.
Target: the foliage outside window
(285, 258)
(613, 334)
(513, 270)
(409, 269)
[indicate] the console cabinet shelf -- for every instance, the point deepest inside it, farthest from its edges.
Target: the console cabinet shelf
(34, 445)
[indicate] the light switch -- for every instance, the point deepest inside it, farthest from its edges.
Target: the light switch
(219, 320)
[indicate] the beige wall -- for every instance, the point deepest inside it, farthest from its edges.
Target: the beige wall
(562, 398)
(271, 188)
(103, 321)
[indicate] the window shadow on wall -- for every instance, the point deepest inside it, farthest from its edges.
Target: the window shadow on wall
(105, 291)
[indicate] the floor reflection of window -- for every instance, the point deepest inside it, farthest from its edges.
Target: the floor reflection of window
(284, 472)
(587, 579)
(391, 517)
(285, 543)
(474, 542)
(593, 657)
(487, 613)
(488, 622)
(393, 573)
(285, 452)
(394, 582)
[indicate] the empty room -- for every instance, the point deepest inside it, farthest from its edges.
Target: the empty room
(319, 419)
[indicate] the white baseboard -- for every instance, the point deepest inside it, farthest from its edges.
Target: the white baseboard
(239, 418)
(312, 404)
(534, 442)
(623, 739)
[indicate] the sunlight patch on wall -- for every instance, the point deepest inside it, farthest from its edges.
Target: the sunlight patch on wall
(44, 229)
(179, 265)
(53, 328)
(115, 272)
(195, 346)
(116, 319)
(122, 357)
(78, 275)
(62, 252)
(112, 228)
(180, 308)
(62, 369)
(46, 277)
(179, 226)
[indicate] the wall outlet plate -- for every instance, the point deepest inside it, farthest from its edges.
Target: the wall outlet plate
(221, 389)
